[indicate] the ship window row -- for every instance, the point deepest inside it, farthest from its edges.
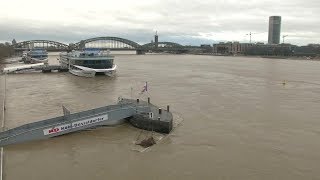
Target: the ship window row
(39, 56)
(93, 62)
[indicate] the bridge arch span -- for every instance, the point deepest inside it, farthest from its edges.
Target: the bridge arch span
(26, 44)
(116, 42)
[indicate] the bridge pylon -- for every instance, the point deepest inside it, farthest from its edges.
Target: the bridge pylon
(140, 52)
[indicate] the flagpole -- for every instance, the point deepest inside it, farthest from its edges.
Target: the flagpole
(145, 89)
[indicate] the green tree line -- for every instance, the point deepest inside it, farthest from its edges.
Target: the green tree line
(5, 50)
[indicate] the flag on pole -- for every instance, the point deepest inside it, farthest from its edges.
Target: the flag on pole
(145, 88)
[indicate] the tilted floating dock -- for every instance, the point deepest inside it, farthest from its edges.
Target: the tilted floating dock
(37, 67)
(140, 114)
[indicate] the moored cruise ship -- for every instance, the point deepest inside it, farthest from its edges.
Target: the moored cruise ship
(88, 63)
(37, 55)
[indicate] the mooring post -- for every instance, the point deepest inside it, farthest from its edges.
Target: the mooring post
(160, 110)
(137, 106)
(159, 121)
(168, 108)
(148, 100)
(151, 127)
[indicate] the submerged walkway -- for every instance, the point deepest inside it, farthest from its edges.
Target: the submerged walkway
(141, 114)
(36, 67)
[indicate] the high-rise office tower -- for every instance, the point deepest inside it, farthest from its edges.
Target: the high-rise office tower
(274, 29)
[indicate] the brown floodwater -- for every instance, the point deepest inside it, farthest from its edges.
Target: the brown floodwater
(239, 120)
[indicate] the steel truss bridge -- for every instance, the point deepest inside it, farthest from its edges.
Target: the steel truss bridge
(46, 44)
(104, 43)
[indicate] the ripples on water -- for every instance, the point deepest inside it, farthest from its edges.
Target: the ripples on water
(239, 120)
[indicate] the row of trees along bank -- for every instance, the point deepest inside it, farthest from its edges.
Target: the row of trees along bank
(6, 50)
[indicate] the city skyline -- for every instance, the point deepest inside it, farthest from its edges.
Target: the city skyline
(185, 22)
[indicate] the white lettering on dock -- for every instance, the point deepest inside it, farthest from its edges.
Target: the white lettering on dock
(77, 124)
(89, 121)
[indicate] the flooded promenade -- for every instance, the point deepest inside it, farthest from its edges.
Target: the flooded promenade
(240, 120)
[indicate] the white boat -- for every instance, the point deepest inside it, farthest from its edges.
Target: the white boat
(89, 72)
(89, 63)
(36, 55)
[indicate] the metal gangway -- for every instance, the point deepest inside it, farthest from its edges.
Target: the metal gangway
(37, 67)
(141, 114)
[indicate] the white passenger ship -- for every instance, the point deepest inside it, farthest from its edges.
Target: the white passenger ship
(88, 63)
(37, 55)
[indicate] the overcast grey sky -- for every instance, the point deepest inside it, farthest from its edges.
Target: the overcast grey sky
(182, 21)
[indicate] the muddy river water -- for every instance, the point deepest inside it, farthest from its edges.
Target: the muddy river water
(240, 121)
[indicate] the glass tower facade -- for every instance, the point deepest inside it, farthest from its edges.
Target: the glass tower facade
(274, 29)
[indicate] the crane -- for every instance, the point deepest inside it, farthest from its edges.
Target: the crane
(250, 34)
(283, 38)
